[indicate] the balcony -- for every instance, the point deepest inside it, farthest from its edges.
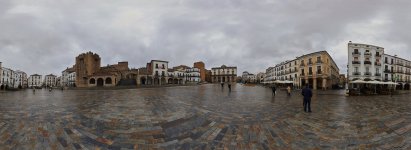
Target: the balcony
(356, 62)
(387, 71)
(377, 55)
(310, 63)
(319, 62)
(319, 72)
(356, 73)
(378, 74)
(310, 74)
(356, 53)
(398, 71)
(399, 64)
(367, 62)
(367, 73)
(377, 64)
(367, 54)
(302, 64)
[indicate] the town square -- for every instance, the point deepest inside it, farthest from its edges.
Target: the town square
(202, 117)
(205, 75)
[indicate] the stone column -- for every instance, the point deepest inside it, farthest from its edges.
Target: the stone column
(314, 83)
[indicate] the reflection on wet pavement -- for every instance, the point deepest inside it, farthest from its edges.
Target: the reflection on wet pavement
(201, 117)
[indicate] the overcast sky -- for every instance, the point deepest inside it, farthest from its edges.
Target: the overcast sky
(45, 36)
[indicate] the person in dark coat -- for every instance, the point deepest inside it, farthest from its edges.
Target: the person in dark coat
(307, 93)
(229, 87)
(273, 89)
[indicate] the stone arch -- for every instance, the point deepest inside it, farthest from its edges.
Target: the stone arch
(163, 80)
(180, 81)
(399, 86)
(175, 81)
(143, 80)
(92, 81)
(156, 81)
(170, 80)
(131, 76)
(149, 80)
(407, 86)
(108, 81)
(100, 82)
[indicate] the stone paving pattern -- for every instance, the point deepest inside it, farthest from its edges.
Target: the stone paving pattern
(201, 117)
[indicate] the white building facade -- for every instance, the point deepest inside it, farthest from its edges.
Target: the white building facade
(368, 62)
(248, 77)
(260, 77)
(50, 80)
(20, 79)
(35, 81)
(68, 78)
(71, 80)
(365, 62)
(192, 75)
(223, 74)
(7, 78)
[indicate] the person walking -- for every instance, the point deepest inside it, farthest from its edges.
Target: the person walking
(289, 91)
(229, 87)
(274, 90)
(307, 93)
(222, 84)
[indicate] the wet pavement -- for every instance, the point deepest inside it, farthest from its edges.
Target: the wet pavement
(201, 117)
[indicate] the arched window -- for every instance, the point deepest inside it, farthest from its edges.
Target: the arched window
(108, 80)
(92, 81)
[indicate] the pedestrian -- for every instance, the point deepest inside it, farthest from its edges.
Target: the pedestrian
(289, 91)
(222, 84)
(307, 93)
(274, 90)
(229, 87)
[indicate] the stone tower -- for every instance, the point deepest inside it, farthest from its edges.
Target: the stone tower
(200, 65)
(86, 65)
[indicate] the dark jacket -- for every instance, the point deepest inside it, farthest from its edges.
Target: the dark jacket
(307, 93)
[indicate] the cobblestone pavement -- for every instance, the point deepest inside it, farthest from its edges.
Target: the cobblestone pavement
(201, 117)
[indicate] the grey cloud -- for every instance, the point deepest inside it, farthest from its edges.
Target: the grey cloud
(45, 36)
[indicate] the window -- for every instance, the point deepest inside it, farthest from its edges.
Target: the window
(162, 66)
(356, 69)
(310, 70)
(156, 65)
(355, 51)
(319, 70)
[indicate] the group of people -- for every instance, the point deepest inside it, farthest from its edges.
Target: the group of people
(306, 92)
(274, 89)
